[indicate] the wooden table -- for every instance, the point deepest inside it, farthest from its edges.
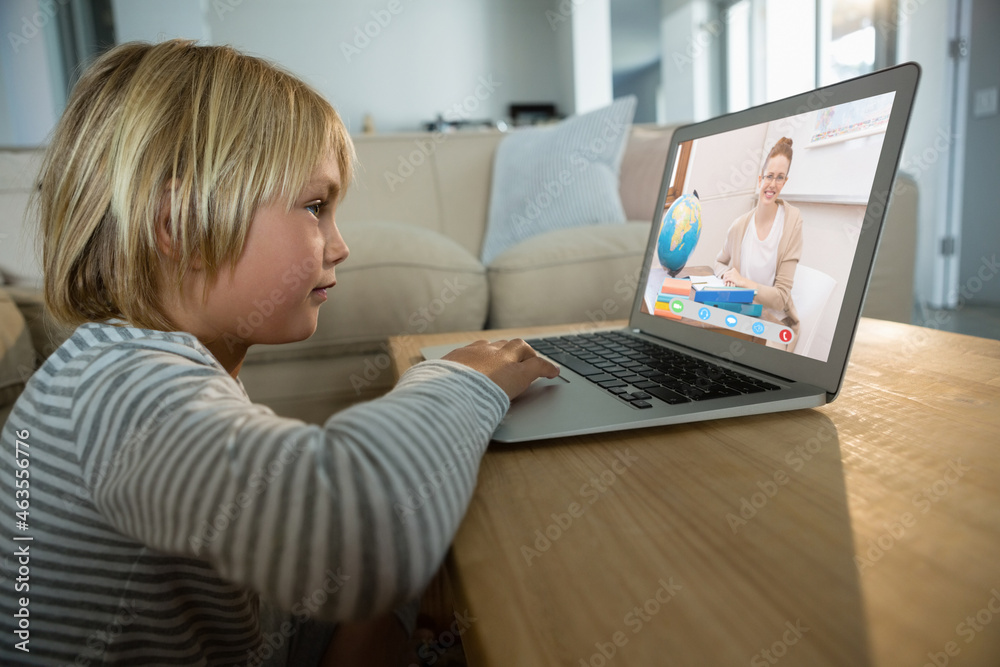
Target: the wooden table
(865, 532)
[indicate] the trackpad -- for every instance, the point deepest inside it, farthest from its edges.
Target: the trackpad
(541, 387)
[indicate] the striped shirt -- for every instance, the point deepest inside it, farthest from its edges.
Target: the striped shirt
(169, 516)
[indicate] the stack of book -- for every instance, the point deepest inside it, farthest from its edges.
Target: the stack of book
(673, 288)
(734, 299)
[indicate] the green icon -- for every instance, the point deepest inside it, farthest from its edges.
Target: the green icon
(677, 305)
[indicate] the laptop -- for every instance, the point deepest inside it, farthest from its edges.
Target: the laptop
(704, 342)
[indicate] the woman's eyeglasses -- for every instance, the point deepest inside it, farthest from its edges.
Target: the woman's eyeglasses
(780, 178)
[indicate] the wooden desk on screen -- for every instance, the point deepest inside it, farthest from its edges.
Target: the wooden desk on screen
(692, 272)
(865, 532)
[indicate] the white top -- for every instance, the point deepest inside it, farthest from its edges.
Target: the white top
(168, 511)
(759, 258)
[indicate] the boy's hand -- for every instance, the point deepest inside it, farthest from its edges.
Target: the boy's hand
(512, 364)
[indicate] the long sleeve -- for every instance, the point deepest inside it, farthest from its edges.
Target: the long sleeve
(354, 516)
(725, 257)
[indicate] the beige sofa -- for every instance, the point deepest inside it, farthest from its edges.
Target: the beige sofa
(414, 220)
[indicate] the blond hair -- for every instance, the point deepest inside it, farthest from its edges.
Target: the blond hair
(211, 132)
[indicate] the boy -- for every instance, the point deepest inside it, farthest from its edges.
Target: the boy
(172, 520)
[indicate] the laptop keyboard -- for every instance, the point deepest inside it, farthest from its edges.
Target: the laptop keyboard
(637, 371)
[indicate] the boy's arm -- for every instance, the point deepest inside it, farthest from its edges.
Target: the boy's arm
(342, 521)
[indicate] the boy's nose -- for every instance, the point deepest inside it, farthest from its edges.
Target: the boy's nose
(336, 248)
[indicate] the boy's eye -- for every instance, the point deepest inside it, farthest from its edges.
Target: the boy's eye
(315, 208)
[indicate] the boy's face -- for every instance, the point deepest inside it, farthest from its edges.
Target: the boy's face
(275, 292)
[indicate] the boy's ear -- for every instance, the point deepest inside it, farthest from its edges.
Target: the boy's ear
(164, 240)
(164, 230)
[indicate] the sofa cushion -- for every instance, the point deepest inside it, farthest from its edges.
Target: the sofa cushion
(399, 279)
(588, 274)
(435, 180)
(559, 176)
(17, 355)
(642, 171)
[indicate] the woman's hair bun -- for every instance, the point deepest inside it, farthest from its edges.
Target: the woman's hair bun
(783, 147)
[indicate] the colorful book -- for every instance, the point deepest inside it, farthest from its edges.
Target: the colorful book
(662, 309)
(676, 286)
(704, 293)
(667, 298)
(751, 309)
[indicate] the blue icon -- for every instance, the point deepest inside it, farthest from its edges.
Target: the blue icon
(704, 313)
(731, 320)
(758, 328)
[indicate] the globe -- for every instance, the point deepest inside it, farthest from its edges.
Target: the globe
(679, 233)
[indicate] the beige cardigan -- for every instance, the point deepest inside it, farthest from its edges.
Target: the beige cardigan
(779, 296)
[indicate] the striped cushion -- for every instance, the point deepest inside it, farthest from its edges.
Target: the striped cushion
(559, 176)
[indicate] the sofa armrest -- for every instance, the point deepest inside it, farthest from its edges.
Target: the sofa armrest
(46, 333)
(17, 354)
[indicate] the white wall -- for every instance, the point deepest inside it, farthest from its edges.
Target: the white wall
(27, 28)
(6, 128)
(155, 20)
(688, 64)
(728, 163)
(923, 37)
(564, 88)
(592, 79)
(979, 197)
(404, 62)
(644, 83)
(845, 169)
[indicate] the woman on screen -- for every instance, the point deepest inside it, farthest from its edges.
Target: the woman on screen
(763, 246)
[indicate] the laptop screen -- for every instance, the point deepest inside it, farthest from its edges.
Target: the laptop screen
(760, 226)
